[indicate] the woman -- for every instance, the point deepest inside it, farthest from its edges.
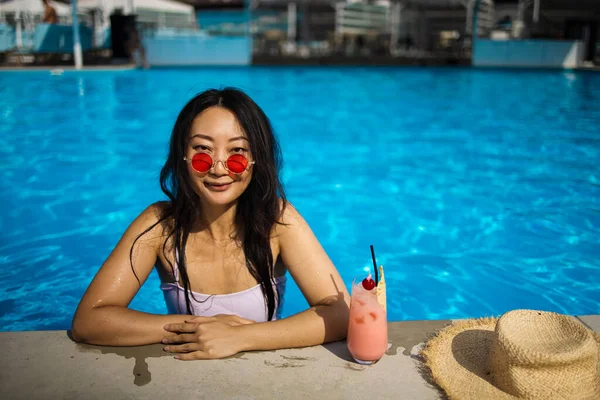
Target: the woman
(221, 246)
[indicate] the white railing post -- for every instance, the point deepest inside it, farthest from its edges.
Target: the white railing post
(396, 17)
(291, 20)
(76, 39)
(536, 10)
(19, 30)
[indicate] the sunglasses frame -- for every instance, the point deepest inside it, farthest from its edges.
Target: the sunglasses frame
(214, 164)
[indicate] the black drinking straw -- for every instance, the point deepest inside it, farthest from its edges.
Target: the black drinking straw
(374, 264)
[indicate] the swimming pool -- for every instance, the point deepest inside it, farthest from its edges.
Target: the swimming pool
(480, 189)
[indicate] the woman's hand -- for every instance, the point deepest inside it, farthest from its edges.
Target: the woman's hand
(206, 337)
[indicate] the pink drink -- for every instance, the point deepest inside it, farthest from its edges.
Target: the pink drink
(367, 333)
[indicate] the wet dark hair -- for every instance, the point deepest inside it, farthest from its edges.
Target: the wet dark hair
(258, 208)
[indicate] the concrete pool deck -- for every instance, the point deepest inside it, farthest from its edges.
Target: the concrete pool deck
(48, 365)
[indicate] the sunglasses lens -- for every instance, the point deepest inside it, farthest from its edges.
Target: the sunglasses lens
(237, 163)
(201, 162)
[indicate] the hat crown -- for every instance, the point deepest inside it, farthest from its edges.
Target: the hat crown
(536, 354)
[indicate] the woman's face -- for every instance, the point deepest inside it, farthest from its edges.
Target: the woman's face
(216, 132)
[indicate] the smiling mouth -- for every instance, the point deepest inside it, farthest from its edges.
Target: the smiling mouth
(217, 186)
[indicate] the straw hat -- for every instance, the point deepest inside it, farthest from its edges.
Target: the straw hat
(525, 354)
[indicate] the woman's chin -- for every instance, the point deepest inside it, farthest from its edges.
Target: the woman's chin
(219, 198)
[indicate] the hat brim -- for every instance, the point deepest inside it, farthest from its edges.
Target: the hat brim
(457, 359)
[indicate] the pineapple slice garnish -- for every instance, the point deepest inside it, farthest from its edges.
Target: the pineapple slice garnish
(381, 297)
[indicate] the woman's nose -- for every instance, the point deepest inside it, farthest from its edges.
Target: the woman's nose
(219, 168)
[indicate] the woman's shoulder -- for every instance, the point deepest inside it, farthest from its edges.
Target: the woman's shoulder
(154, 212)
(289, 218)
(151, 220)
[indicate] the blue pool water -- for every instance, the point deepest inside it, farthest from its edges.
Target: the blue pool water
(480, 189)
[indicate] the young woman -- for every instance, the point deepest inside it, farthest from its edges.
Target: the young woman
(221, 244)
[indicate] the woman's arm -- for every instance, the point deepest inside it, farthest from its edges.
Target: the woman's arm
(318, 279)
(325, 321)
(102, 316)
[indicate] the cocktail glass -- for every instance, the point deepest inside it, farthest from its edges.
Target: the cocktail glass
(367, 332)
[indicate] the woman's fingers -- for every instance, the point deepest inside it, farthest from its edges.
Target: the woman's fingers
(183, 348)
(182, 338)
(196, 355)
(216, 339)
(187, 327)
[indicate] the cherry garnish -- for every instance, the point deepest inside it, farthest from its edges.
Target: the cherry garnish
(368, 283)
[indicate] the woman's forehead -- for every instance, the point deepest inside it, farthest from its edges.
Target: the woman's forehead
(217, 124)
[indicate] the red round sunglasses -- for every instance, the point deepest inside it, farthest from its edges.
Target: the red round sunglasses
(203, 162)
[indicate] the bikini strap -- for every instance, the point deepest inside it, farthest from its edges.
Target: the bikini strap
(176, 266)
